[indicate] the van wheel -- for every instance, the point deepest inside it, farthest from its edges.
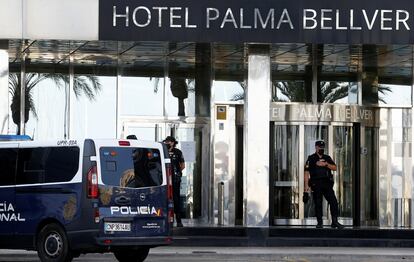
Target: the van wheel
(133, 255)
(52, 244)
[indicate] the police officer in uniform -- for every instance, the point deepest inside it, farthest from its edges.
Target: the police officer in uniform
(178, 164)
(319, 167)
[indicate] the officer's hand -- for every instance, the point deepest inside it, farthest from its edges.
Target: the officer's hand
(321, 163)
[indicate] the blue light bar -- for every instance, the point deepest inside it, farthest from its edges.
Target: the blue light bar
(15, 138)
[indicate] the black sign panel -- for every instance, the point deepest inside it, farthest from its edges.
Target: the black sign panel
(264, 21)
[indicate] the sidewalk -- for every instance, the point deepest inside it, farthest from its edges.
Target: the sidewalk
(246, 254)
(283, 254)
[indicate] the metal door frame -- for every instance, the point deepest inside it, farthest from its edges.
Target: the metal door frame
(302, 220)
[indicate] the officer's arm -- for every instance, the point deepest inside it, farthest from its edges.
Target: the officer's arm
(182, 165)
(331, 164)
(181, 159)
(306, 180)
(307, 175)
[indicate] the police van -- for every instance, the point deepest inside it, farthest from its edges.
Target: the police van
(69, 197)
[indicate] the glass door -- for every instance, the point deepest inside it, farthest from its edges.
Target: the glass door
(285, 167)
(313, 133)
(291, 144)
(193, 141)
(344, 158)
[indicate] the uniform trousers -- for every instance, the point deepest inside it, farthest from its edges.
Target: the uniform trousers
(324, 187)
(176, 197)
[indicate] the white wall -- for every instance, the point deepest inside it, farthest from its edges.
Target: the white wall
(49, 19)
(11, 19)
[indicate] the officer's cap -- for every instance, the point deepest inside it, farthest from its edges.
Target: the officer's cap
(171, 139)
(320, 143)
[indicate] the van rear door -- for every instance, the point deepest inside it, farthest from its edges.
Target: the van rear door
(9, 212)
(132, 191)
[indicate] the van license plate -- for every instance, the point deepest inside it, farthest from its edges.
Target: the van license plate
(118, 227)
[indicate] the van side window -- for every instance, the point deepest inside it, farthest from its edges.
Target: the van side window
(131, 167)
(8, 158)
(47, 164)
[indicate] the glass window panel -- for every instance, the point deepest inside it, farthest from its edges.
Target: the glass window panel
(142, 96)
(47, 114)
(47, 83)
(337, 67)
(339, 92)
(96, 117)
(288, 91)
(180, 96)
(95, 81)
(291, 72)
(387, 75)
(225, 91)
(131, 167)
(47, 165)
(142, 67)
(180, 83)
(395, 95)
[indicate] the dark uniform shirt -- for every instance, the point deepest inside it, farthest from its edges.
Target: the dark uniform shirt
(176, 159)
(318, 172)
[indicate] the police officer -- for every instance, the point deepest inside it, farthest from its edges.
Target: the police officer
(320, 166)
(178, 165)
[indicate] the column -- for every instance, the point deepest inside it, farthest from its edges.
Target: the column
(257, 137)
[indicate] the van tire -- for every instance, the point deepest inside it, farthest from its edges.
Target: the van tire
(132, 255)
(52, 244)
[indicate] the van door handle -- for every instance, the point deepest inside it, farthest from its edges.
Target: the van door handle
(122, 200)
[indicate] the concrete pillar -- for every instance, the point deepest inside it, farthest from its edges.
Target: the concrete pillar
(257, 137)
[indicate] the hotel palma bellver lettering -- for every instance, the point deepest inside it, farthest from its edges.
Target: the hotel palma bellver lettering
(339, 113)
(263, 20)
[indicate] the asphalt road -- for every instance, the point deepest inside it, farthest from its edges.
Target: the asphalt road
(245, 254)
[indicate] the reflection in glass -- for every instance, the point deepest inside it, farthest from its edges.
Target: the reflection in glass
(343, 156)
(131, 167)
(395, 95)
(180, 96)
(4, 91)
(387, 74)
(47, 100)
(370, 192)
(285, 172)
(338, 92)
(190, 191)
(224, 91)
(141, 96)
(288, 91)
(88, 113)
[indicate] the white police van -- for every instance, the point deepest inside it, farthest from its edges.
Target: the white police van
(69, 197)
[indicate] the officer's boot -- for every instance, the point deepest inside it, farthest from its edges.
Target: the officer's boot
(178, 218)
(320, 223)
(336, 224)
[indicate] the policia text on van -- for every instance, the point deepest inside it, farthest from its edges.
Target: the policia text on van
(64, 198)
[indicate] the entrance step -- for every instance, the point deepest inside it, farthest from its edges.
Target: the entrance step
(293, 236)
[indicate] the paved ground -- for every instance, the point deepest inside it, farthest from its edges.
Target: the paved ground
(243, 254)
